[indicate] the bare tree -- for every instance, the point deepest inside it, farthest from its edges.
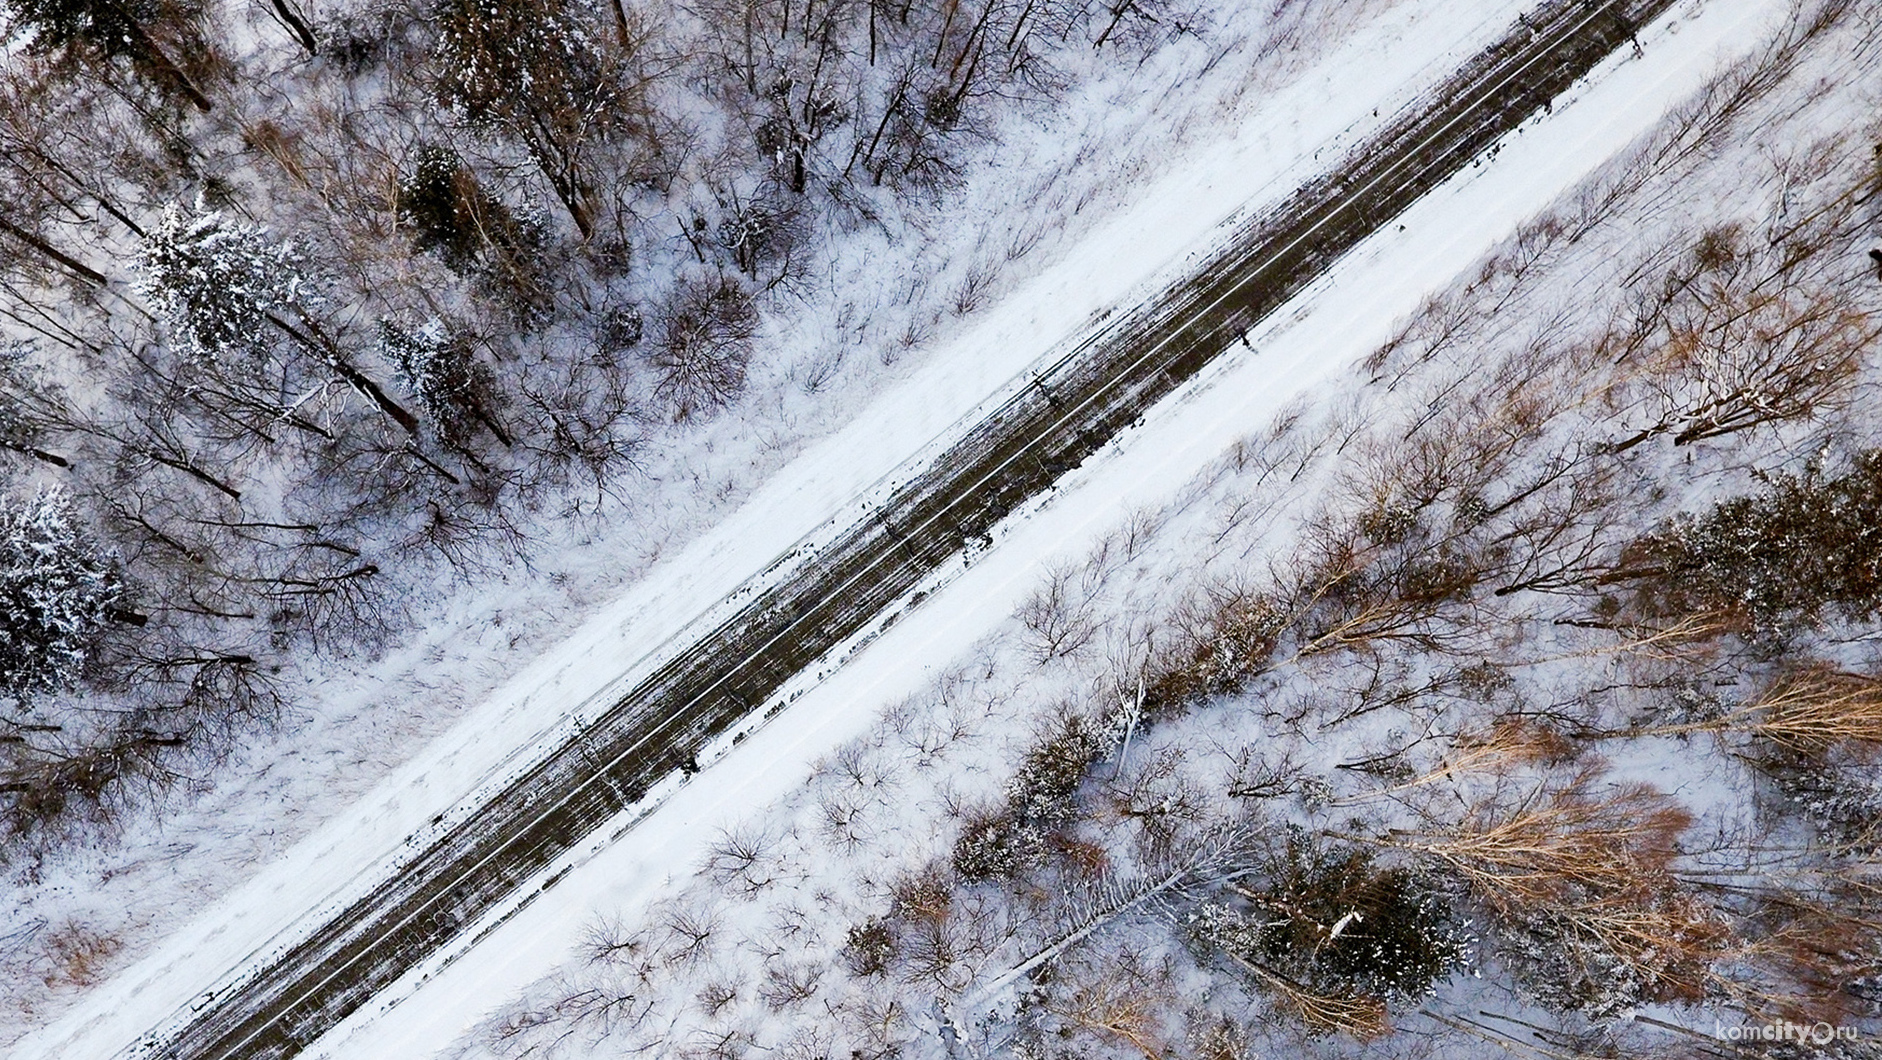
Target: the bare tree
(1741, 339)
(706, 333)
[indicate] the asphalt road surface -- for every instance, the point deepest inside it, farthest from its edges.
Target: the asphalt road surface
(1080, 403)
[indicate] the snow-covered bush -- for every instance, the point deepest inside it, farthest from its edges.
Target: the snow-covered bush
(706, 335)
(437, 367)
(1330, 918)
(762, 233)
(215, 282)
(1561, 968)
(620, 327)
(1839, 794)
(1807, 541)
(1216, 646)
(868, 948)
(56, 589)
(998, 845)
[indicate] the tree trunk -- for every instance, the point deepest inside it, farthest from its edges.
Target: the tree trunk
(620, 27)
(299, 25)
(51, 252)
(161, 65)
(39, 454)
(315, 340)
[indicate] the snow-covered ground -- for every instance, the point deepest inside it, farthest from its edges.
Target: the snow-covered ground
(885, 792)
(887, 307)
(1342, 318)
(1345, 316)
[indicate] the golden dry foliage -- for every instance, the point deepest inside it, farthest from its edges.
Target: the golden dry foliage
(1808, 711)
(1117, 1007)
(79, 956)
(1507, 744)
(1675, 940)
(1741, 340)
(1820, 929)
(1600, 862)
(1563, 839)
(1360, 1015)
(1813, 709)
(1810, 954)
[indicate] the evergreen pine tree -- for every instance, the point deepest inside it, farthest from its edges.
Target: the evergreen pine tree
(451, 388)
(113, 29)
(56, 590)
(216, 282)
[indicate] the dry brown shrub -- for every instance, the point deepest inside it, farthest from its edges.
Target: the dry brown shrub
(284, 147)
(1738, 340)
(1598, 865)
(1561, 841)
(1807, 711)
(1507, 744)
(1813, 709)
(1058, 616)
(1080, 859)
(1512, 741)
(925, 896)
(788, 983)
(1359, 1015)
(1812, 949)
(1121, 1000)
(78, 955)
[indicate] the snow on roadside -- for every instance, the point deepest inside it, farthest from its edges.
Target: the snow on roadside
(1343, 317)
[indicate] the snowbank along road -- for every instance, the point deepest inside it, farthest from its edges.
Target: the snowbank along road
(1073, 407)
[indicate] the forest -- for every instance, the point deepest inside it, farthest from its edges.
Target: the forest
(303, 306)
(1515, 696)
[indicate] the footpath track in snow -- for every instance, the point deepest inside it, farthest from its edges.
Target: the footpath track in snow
(1019, 451)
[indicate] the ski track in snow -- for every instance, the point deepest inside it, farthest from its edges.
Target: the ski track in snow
(1336, 321)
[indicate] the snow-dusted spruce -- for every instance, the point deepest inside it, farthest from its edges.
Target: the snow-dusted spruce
(452, 389)
(219, 284)
(224, 288)
(57, 589)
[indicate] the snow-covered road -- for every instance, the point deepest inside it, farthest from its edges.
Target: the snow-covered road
(1334, 324)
